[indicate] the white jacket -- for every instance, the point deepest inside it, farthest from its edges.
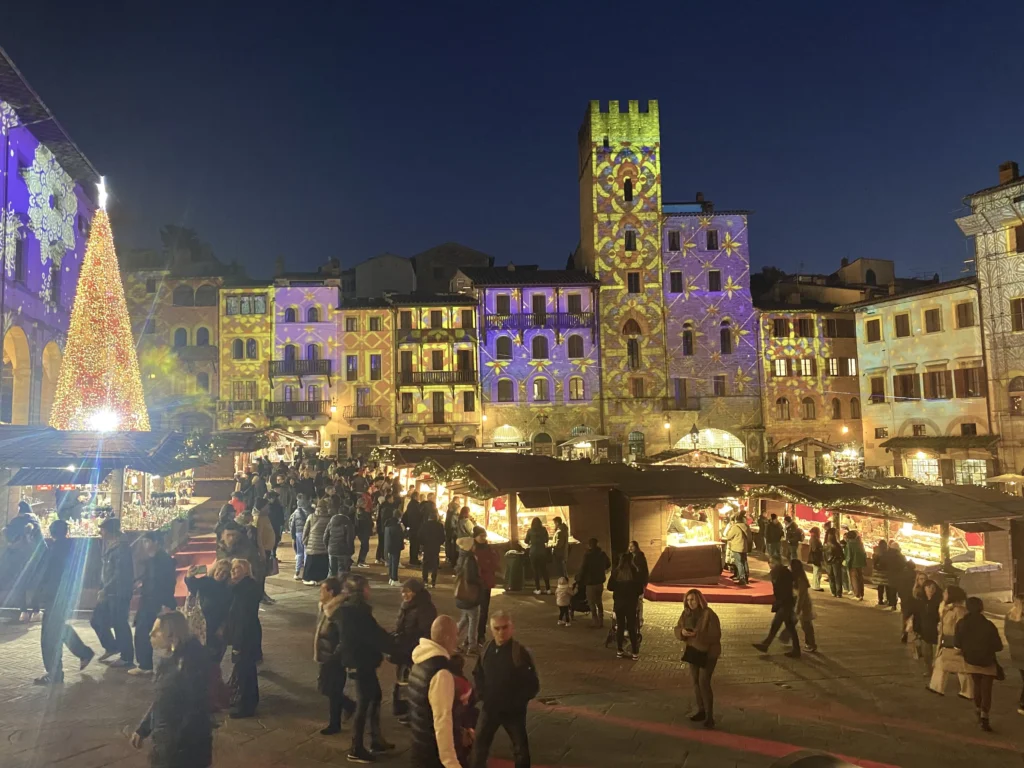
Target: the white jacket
(442, 699)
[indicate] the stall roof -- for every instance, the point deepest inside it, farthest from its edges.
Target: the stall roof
(741, 476)
(547, 498)
(681, 483)
(58, 476)
(941, 443)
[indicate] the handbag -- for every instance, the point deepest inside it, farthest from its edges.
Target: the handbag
(694, 657)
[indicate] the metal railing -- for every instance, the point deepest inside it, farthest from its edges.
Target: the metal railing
(299, 367)
(299, 408)
(417, 378)
(519, 321)
(364, 412)
(235, 406)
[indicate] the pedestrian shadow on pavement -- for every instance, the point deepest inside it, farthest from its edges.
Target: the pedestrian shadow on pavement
(303, 692)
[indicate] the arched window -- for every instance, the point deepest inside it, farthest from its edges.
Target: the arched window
(290, 352)
(687, 339)
(202, 382)
(313, 315)
(203, 337)
(541, 390)
(837, 408)
(869, 277)
(854, 408)
(313, 392)
(252, 349)
(726, 336)
(183, 296)
(1016, 393)
(808, 408)
(181, 337)
(506, 391)
(576, 390)
(575, 347)
(312, 351)
(631, 328)
(290, 315)
(581, 429)
(637, 444)
(782, 409)
(503, 348)
(633, 354)
(627, 191)
(237, 349)
(539, 347)
(206, 296)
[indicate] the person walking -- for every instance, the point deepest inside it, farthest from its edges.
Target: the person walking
(739, 540)
(110, 616)
(880, 565)
(804, 609)
(560, 549)
(950, 658)
(415, 617)
(317, 563)
(626, 588)
(978, 639)
(296, 524)
(451, 520)
(178, 722)
(385, 511)
(467, 596)
(505, 680)
(834, 555)
(394, 543)
(773, 535)
(856, 561)
(412, 520)
(592, 574)
(57, 594)
(783, 606)
(431, 541)
(792, 540)
(431, 692)
(701, 630)
(1013, 628)
(331, 677)
(487, 562)
(244, 635)
(156, 595)
(925, 623)
(340, 540)
(363, 531)
(816, 557)
(537, 542)
(361, 649)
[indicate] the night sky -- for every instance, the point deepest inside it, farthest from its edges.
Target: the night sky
(343, 129)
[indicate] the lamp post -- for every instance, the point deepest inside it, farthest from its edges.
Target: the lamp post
(694, 435)
(668, 429)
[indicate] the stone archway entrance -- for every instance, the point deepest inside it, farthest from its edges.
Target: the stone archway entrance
(543, 445)
(52, 357)
(15, 378)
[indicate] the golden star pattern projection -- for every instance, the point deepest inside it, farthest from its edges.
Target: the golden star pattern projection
(99, 384)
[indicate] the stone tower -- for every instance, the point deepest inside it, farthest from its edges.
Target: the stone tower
(620, 245)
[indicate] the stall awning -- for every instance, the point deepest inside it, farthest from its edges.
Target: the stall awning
(540, 499)
(58, 476)
(979, 527)
(942, 443)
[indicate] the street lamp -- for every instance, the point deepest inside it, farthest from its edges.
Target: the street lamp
(694, 435)
(668, 428)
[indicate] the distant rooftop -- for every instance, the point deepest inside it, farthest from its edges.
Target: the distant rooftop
(432, 299)
(924, 290)
(529, 275)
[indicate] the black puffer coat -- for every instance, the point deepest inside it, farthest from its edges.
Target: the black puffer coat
(178, 722)
(362, 643)
(244, 617)
(414, 620)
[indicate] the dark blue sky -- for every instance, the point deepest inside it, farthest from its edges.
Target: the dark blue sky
(346, 129)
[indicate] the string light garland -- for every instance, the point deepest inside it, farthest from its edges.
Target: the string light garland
(201, 446)
(99, 387)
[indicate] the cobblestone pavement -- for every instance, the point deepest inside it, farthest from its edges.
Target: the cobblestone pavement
(861, 696)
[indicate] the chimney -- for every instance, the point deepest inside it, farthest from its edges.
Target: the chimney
(844, 262)
(1008, 172)
(511, 267)
(700, 197)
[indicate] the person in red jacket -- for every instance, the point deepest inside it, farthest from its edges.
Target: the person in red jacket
(487, 561)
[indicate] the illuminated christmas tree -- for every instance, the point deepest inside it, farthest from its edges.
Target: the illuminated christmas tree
(99, 386)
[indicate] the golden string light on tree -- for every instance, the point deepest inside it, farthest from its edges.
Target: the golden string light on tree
(99, 387)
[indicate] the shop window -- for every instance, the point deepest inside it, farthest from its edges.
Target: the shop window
(906, 386)
(714, 281)
(202, 382)
(503, 348)
(807, 406)
(627, 190)
(805, 327)
(633, 282)
(780, 328)
(576, 391)
(183, 296)
(206, 296)
(854, 408)
(969, 429)
(1016, 392)
(252, 349)
(965, 315)
(782, 409)
(574, 347)
(351, 367)
(718, 385)
(970, 471)
(837, 408)
(924, 471)
(873, 329)
(407, 402)
(237, 349)
(468, 402)
(901, 324)
(203, 337)
(313, 315)
(541, 390)
(506, 391)
(712, 240)
(375, 324)
(290, 315)
(181, 337)
(687, 339)
(932, 320)
(630, 240)
(920, 430)
(539, 348)
(877, 391)
(637, 444)
(725, 334)
(673, 241)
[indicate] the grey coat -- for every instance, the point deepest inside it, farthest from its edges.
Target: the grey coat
(313, 532)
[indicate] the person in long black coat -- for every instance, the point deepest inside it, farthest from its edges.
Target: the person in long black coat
(332, 674)
(243, 635)
(626, 587)
(58, 595)
(415, 616)
(178, 722)
(215, 596)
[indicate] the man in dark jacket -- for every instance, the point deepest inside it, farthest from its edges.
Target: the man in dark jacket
(340, 540)
(156, 594)
(431, 540)
(505, 680)
(385, 511)
(412, 520)
(394, 543)
(364, 529)
(773, 533)
(451, 520)
(110, 617)
(276, 513)
(782, 607)
(487, 562)
(58, 596)
(591, 576)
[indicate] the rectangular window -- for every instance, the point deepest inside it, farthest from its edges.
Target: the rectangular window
(375, 368)
(502, 304)
(969, 382)
(965, 315)
(1017, 314)
(467, 318)
(906, 386)
(714, 281)
(780, 328)
(780, 366)
(970, 471)
(436, 318)
(968, 429)
(920, 430)
(351, 324)
(718, 385)
(901, 324)
(630, 240)
(673, 241)
(833, 366)
(407, 402)
(873, 329)
(808, 366)
(243, 390)
(851, 366)
(468, 402)
(633, 282)
(463, 360)
(636, 387)
(840, 328)
(877, 390)
(405, 320)
(351, 367)
(932, 320)
(675, 282)
(437, 359)
(881, 433)
(712, 240)
(938, 385)
(574, 303)
(405, 361)
(375, 324)
(151, 285)
(1018, 237)
(805, 327)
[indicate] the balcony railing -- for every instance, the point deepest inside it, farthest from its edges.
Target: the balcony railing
(299, 408)
(420, 378)
(299, 368)
(239, 406)
(521, 321)
(680, 403)
(435, 335)
(364, 412)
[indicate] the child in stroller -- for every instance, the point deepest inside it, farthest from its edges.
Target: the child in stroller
(639, 623)
(578, 603)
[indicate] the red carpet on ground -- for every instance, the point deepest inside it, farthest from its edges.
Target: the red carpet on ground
(725, 591)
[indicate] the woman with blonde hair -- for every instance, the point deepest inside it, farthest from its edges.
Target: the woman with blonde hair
(178, 721)
(243, 634)
(950, 658)
(700, 629)
(1013, 628)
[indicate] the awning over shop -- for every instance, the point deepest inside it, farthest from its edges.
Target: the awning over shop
(541, 499)
(58, 476)
(941, 443)
(580, 439)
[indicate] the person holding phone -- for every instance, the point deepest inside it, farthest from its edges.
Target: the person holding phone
(701, 630)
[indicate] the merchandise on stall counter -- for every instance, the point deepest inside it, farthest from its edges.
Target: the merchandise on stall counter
(689, 526)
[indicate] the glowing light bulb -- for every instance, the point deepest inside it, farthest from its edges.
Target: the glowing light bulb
(845, 429)
(101, 192)
(921, 455)
(103, 420)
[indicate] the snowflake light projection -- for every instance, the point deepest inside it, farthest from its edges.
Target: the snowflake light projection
(52, 205)
(8, 118)
(11, 224)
